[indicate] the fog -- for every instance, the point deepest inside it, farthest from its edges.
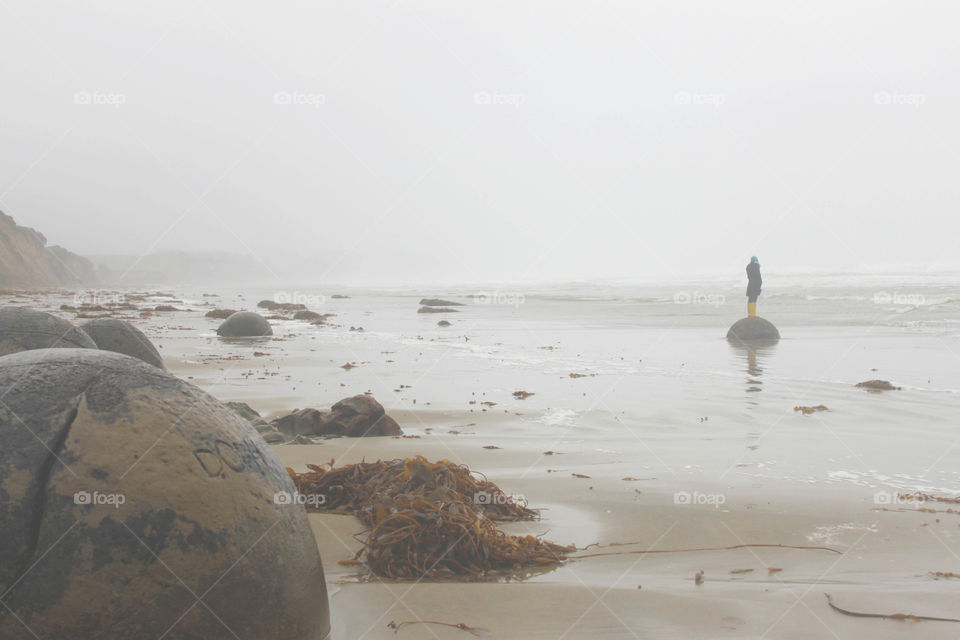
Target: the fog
(416, 141)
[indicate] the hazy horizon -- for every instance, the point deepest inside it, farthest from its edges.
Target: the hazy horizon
(417, 142)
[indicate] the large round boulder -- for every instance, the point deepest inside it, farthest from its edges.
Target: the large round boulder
(134, 505)
(245, 324)
(753, 329)
(113, 334)
(25, 329)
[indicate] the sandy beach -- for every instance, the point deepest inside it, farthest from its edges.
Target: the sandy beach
(674, 463)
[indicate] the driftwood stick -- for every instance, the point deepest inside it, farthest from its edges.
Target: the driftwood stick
(892, 616)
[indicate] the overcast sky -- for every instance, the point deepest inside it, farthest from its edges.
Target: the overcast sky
(406, 140)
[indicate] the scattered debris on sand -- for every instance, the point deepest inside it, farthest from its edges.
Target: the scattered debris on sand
(808, 410)
(479, 632)
(522, 395)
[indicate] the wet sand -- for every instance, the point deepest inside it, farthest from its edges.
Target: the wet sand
(884, 566)
(714, 461)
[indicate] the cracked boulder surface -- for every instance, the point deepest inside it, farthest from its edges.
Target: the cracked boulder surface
(23, 329)
(114, 334)
(135, 505)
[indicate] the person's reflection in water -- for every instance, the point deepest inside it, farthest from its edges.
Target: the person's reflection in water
(753, 353)
(754, 371)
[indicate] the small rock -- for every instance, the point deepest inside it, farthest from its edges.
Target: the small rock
(877, 385)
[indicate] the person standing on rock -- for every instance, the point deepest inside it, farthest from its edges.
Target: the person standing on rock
(754, 282)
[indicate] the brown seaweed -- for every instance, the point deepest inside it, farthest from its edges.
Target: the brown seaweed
(428, 519)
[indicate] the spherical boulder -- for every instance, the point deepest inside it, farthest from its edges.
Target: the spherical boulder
(753, 329)
(245, 324)
(134, 505)
(113, 334)
(25, 329)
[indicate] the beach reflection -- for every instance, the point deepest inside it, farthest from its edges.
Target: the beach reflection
(752, 355)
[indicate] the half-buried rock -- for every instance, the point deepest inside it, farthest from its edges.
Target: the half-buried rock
(352, 417)
(134, 505)
(113, 334)
(25, 329)
(245, 324)
(753, 329)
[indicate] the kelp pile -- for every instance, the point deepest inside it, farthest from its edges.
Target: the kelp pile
(428, 519)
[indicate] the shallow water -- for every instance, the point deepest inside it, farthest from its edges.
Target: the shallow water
(660, 384)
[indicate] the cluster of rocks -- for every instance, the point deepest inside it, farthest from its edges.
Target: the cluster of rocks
(109, 463)
(438, 305)
(271, 305)
(354, 417)
(26, 329)
(249, 324)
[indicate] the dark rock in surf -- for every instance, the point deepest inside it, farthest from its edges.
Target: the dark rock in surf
(220, 314)
(113, 334)
(311, 316)
(436, 310)
(25, 329)
(753, 329)
(245, 324)
(123, 480)
(270, 305)
(438, 302)
(443, 323)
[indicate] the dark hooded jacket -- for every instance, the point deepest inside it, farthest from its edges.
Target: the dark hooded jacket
(754, 281)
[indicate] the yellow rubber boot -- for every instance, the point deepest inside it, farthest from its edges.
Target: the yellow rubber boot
(752, 309)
